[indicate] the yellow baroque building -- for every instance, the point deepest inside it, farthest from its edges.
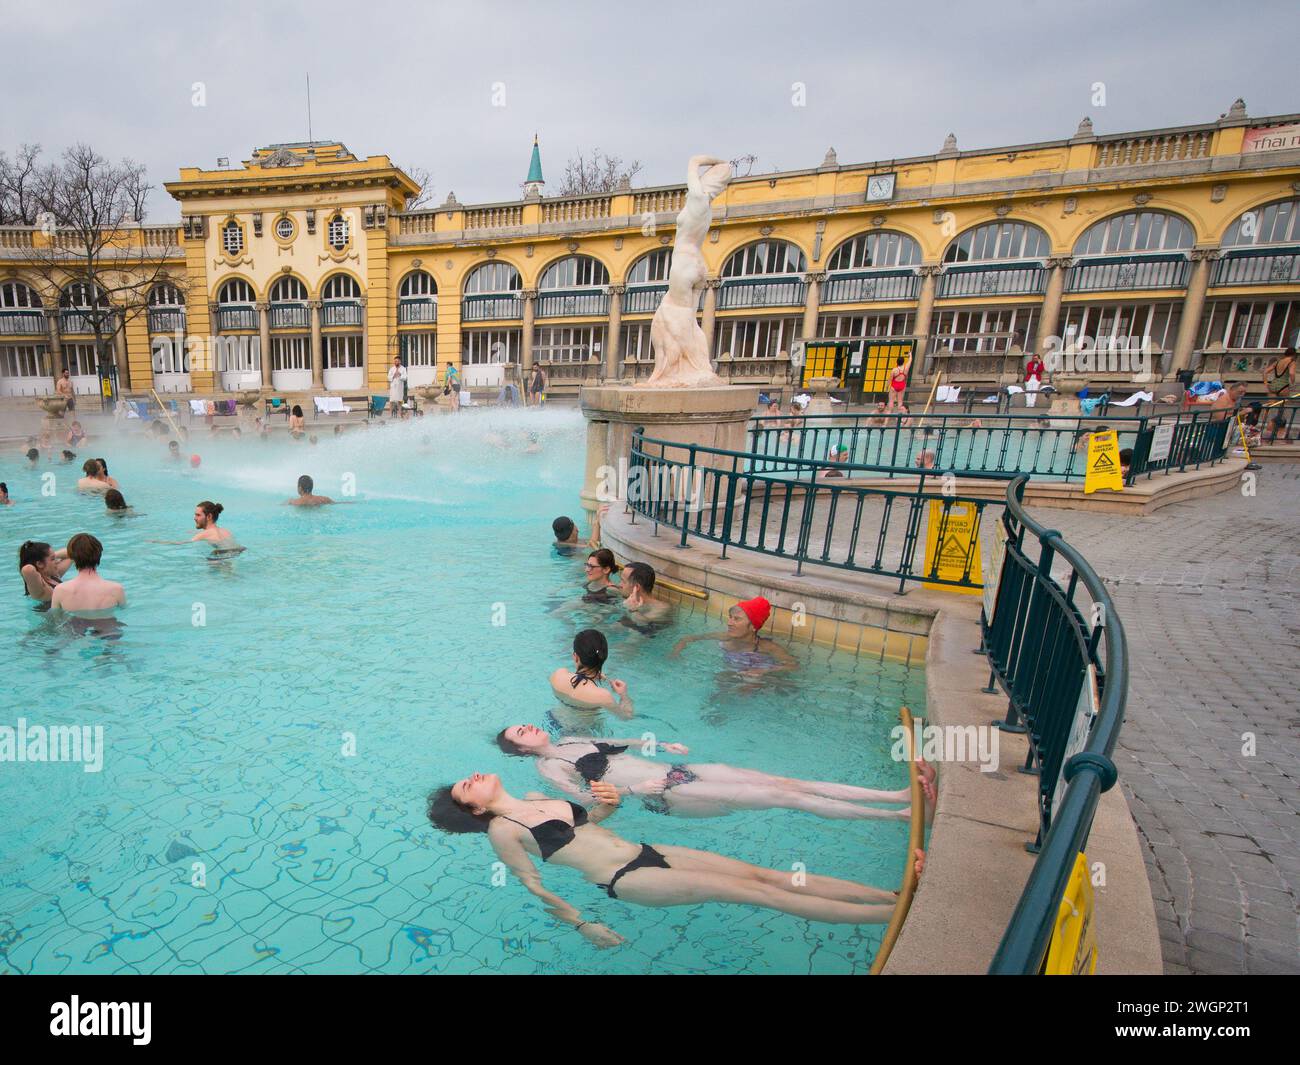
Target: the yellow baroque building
(299, 272)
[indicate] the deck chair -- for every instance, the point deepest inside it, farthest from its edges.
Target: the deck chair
(377, 405)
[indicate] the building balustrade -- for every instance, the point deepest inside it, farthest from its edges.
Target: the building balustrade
(586, 303)
(22, 323)
(417, 311)
(289, 316)
(740, 293)
(866, 287)
(1259, 266)
(1025, 279)
(491, 308)
(167, 320)
(231, 318)
(340, 312)
(1120, 273)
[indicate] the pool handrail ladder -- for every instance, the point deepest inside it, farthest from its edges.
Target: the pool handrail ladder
(736, 503)
(915, 842)
(1042, 650)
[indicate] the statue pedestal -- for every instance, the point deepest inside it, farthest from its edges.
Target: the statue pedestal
(714, 417)
(820, 388)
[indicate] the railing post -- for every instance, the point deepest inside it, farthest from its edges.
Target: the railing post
(691, 476)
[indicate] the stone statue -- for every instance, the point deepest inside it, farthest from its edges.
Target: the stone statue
(680, 348)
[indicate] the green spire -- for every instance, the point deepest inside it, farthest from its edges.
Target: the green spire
(535, 166)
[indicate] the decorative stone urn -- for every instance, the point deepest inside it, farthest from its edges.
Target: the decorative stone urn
(54, 406)
(820, 387)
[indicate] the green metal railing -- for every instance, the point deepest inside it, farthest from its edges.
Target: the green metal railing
(810, 517)
(1052, 447)
(1042, 641)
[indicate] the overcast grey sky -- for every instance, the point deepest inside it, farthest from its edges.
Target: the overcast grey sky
(655, 81)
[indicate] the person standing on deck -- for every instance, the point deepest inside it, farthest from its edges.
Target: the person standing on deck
(1034, 371)
(396, 385)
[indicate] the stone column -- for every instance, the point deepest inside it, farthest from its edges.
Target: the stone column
(526, 342)
(924, 312)
(56, 346)
(365, 348)
(264, 340)
(711, 286)
(813, 305)
(119, 354)
(1194, 302)
(1049, 317)
(613, 337)
(317, 355)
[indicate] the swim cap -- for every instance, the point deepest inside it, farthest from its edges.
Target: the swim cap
(195, 460)
(758, 610)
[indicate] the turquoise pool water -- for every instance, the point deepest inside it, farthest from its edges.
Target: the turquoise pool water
(227, 831)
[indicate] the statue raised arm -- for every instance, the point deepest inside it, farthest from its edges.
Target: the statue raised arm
(680, 348)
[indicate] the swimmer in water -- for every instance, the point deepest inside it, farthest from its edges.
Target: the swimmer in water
(92, 481)
(69, 456)
(743, 649)
(104, 477)
(42, 569)
(567, 540)
(174, 450)
(694, 789)
(5, 501)
(305, 497)
(33, 458)
(117, 506)
(597, 587)
(642, 607)
(87, 595)
(223, 540)
(580, 687)
(563, 833)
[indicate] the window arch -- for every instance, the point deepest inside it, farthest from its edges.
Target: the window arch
(997, 241)
(288, 289)
(574, 271)
(652, 268)
(341, 287)
(338, 233)
(765, 258)
(417, 301)
(235, 291)
(232, 238)
(1136, 231)
(417, 284)
(879, 249)
(493, 279)
(166, 294)
(1273, 223)
(20, 306)
(79, 295)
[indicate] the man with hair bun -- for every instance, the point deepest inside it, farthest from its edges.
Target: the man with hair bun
(223, 540)
(87, 594)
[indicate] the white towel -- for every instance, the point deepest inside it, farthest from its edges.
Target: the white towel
(1136, 397)
(199, 407)
(989, 399)
(948, 393)
(1014, 390)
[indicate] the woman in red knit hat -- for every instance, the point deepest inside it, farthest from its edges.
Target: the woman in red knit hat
(743, 649)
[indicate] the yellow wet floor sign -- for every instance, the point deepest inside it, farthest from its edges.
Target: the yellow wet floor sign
(1103, 470)
(1072, 950)
(959, 555)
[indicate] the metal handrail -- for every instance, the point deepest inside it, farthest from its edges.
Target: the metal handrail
(1087, 773)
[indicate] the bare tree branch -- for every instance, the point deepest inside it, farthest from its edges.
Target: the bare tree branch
(17, 181)
(422, 177)
(597, 172)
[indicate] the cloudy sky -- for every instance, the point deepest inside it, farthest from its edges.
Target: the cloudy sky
(654, 80)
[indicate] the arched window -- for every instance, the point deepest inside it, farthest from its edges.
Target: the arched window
(493, 278)
(288, 289)
(1136, 231)
(647, 281)
(880, 265)
(20, 310)
(417, 299)
(575, 271)
(767, 273)
(232, 237)
(573, 287)
(14, 295)
(338, 232)
(289, 308)
(235, 309)
(76, 302)
(1274, 223)
(652, 268)
(998, 241)
(235, 291)
(166, 308)
(492, 293)
(881, 249)
(764, 259)
(341, 287)
(1256, 247)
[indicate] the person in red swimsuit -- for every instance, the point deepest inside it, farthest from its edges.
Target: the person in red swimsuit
(898, 384)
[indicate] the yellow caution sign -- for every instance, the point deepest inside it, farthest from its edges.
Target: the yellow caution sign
(952, 545)
(1103, 469)
(1072, 950)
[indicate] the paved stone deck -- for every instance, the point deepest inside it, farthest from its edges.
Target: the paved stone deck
(1209, 591)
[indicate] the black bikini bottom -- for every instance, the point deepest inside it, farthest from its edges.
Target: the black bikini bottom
(649, 858)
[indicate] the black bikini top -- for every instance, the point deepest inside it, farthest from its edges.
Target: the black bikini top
(595, 764)
(551, 835)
